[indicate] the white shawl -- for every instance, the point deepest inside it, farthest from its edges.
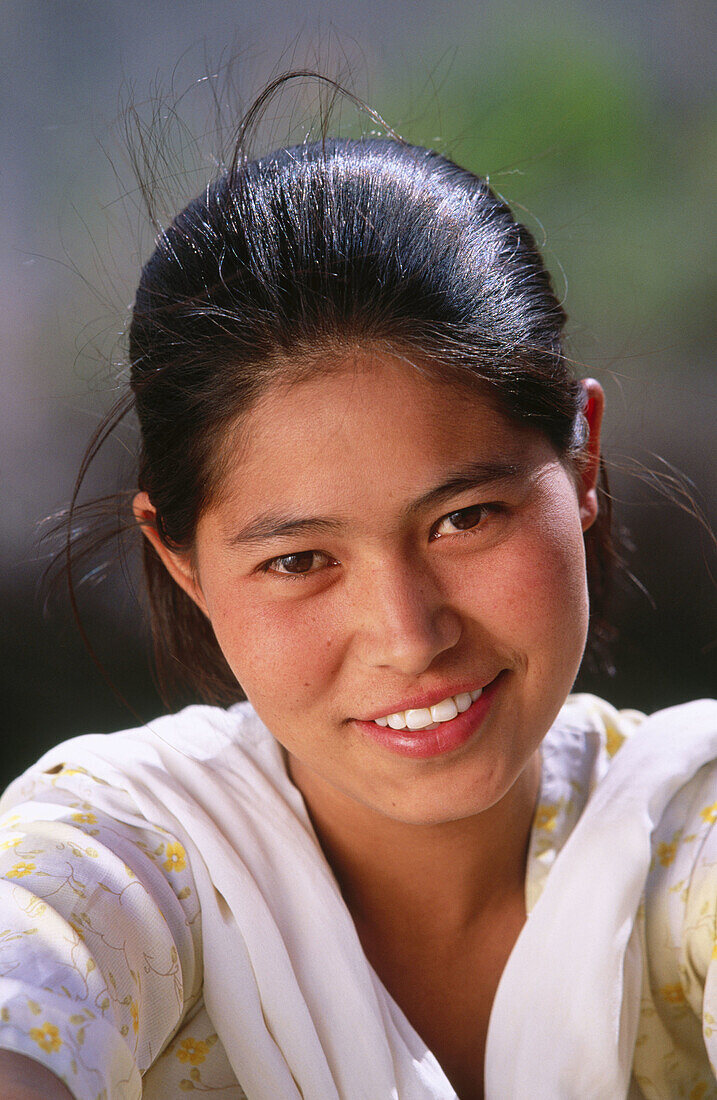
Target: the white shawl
(295, 1002)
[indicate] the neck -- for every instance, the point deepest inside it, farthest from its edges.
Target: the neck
(446, 878)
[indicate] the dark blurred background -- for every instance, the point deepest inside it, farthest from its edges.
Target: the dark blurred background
(596, 122)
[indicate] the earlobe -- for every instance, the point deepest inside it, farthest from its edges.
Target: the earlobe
(590, 472)
(177, 565)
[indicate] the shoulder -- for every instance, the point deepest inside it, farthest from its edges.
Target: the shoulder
(662, 768)
(600, 732)
(680, 894)
(575, 758)
(579, 748)
(651, 780)
(606, 727)
(627, 763)
(198, 736)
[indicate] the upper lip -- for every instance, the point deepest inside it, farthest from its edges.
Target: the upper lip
(427, 699)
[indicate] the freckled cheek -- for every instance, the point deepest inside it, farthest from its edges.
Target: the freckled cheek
(553, 580)
(531, 588)
(270, 645)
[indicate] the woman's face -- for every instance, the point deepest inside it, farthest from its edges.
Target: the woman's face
(384, 542)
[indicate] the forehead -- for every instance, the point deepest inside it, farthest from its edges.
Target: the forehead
(374, 427)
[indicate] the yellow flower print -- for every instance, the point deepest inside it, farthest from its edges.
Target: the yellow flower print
(176, 858)
(666, 853)
(193, 1051)
(709, 814)
(19, 870)
(47, 1037)
(546, 815)
(10, 843)
(613, 740)
(134, 1009)
(673, 994)
(85, 819)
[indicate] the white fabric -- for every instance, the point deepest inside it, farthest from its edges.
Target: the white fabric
(296, 1004)
(565, 1015)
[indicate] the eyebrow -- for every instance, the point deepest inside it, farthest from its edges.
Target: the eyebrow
(474, 475)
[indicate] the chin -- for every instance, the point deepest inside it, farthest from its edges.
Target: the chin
(443, 799)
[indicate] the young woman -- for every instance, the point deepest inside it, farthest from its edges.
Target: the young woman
(408, 864)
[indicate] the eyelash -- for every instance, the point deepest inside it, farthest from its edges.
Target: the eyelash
(482, 509)
(267, 566)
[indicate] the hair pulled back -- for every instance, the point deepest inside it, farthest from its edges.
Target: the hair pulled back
(323, 246)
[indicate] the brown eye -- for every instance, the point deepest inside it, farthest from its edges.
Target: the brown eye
(465, 519)
(294, 563)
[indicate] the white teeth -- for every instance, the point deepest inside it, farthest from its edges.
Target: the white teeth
(444, 711)
(422, 718)
(417, 719)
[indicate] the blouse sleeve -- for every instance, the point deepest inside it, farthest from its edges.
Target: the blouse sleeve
(100, 955)
(676, 1053)
(699, 947)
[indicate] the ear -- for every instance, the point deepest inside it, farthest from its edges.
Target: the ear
(177, 564)
(587, 486)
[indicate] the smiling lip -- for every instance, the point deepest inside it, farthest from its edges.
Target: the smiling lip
(424, 700)
(420, 744)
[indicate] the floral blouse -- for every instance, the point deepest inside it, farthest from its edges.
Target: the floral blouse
(101, 937)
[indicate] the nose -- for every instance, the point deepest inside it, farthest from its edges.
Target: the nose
(405, 620)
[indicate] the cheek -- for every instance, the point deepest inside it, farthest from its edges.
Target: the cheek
(556, 584)
(533, 592)
(276, 645)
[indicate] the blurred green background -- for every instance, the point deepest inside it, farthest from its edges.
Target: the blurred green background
(596, 122)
